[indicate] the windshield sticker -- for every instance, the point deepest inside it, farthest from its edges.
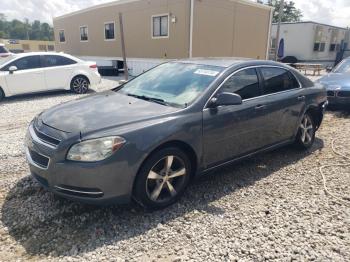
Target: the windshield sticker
(206, 72)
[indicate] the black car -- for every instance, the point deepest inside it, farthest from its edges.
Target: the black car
(146, 139)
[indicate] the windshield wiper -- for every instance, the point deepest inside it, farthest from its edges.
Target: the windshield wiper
(152, 99)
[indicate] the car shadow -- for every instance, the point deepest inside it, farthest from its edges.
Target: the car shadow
(39, 96)
(339, 111)
(45, 224)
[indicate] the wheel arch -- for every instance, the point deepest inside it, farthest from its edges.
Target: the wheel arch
(316, 112)
(185, 147)
(81, 75)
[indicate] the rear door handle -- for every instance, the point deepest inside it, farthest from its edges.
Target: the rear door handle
(301, 98)
(259, 107)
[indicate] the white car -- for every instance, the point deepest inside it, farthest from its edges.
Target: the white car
(45, 71)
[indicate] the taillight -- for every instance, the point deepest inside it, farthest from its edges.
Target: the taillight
(93, 66)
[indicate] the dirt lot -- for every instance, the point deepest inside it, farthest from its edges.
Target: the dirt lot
(271, 207)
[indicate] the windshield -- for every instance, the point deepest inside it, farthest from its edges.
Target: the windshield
(343, 67)
(174, 84)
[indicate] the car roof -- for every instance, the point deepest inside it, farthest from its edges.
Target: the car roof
(225, 61)
(39, 53)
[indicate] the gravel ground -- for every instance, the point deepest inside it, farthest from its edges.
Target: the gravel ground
(271, 207)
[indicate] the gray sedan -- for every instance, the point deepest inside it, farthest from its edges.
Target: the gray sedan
(337, 84)
(147, 139)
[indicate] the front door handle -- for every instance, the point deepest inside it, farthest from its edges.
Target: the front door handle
(301, 98)
(259, 107)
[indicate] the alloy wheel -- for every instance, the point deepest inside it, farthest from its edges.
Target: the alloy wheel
(307, 130)
(166, 178)
(80, 85)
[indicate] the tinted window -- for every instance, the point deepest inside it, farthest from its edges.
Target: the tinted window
(30, 62)
(55, 60)
(244, 83)
(277, 80)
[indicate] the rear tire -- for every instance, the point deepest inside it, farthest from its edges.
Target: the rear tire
(80, 84)
(306, 132)
(2, 95)
(162, 178)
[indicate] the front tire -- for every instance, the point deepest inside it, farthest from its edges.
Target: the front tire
(162, 179)
(80, 85)
(306, 132)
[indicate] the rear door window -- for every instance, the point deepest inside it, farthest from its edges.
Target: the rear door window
(277, 80)
(25, 63)
(244, 83)
(55, 60)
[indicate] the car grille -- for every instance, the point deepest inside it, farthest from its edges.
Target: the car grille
(330, 93)
(47, 139)
(344, 93)
(39, 159)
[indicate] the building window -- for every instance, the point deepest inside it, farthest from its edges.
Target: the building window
(62, 37)
(51, 47)
(160, 26)
(319, 47)
(42, 48)
(109, 31)
(25, 47)
(332, 47)
(84, 33)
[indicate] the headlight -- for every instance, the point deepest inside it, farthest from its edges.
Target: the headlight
(95, 149)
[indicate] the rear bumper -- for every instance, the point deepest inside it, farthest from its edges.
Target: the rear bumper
(95, 78)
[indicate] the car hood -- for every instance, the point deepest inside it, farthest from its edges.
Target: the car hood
(336, 80)
(101, 111)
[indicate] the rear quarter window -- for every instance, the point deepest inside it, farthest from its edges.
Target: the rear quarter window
(3, 50)
(56, 60)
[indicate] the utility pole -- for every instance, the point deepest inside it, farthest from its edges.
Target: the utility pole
(126, 73)
(280, 15)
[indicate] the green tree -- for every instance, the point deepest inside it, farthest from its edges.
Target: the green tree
(290, 12)
(17, 29)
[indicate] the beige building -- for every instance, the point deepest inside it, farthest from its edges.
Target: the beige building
(166, 29)
(19, 46)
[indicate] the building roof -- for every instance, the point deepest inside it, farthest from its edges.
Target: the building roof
(120, 2)
(311, 22)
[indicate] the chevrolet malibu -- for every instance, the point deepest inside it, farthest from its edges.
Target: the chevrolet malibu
(148, 138)
(45, 71)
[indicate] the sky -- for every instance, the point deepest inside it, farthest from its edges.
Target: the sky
(334, 12)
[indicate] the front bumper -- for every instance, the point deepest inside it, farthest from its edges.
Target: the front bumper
(105, 182)
(338, 97)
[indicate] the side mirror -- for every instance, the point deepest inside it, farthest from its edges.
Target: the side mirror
(13, 69)
(226, 99)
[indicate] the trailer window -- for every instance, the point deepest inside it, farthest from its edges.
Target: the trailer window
(109, 31)
(160, 26)
(62, 37)
(84, 33)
